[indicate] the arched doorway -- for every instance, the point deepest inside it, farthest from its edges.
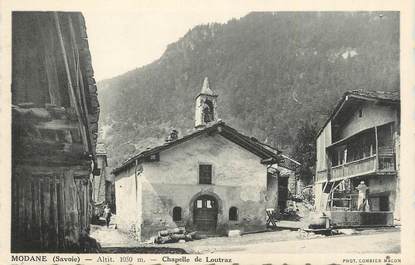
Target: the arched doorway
(205, 213)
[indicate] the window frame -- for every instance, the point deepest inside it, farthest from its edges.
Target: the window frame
(360, 112)
(199, 175)
(153, 158)
(177, 208)
(235, 217)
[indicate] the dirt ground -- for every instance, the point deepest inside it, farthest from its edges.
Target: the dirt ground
(285, 241)
(380, 240)
(369, 242)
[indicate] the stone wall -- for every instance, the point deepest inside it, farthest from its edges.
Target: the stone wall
(128, 201)
(397, 213)
(383, 185)
(99, 191)
(359, 219)
(238, 180)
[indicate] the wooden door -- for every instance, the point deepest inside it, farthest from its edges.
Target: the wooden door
(41, 217)
(384, 203)
(38, 213)
(205, 213)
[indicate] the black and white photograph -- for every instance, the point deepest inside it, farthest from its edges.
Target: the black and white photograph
(190, 132)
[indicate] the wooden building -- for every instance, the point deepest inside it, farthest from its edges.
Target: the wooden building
(288, 184)
(103, 189)
(212, 180)
(360, 142)
(54, 130)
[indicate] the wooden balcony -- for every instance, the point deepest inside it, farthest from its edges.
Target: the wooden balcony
(364, 166)
(386, 163)
(369, 152)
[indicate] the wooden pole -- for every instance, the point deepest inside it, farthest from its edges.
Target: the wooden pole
(72, 96)
(135, 180)
(80, 84)
(50, 63)
(377, 149)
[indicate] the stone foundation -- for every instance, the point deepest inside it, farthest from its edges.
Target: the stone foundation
(358, 219)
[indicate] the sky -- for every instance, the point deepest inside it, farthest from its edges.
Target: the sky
(125, 40)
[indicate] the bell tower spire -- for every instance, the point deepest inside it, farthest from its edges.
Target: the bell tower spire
(205, 106)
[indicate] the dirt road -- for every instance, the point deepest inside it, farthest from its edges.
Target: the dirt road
(366, 241)
(384, 242)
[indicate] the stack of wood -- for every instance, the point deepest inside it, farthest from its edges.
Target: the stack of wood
(174, 235)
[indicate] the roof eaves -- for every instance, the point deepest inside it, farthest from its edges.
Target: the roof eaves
(365, 95)
(292, 160)
(338, 105)
(390, 100)
(393, 96)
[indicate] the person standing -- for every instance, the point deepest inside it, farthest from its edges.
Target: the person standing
(362, 200)
(107, 214)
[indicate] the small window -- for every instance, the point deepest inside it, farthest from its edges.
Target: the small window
(177, 214)
(205, 174)
(153, 158)
(233, 214)
(360, 113)
(199, 204)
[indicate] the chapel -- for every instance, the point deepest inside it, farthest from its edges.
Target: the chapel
(212, 180)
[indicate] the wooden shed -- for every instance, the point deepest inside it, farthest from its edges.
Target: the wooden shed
(54, 130)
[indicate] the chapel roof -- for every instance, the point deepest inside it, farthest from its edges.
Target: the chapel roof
(268, 154)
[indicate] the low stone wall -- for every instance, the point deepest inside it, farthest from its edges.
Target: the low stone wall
(358, 218)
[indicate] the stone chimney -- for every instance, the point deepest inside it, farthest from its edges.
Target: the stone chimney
(173, 136)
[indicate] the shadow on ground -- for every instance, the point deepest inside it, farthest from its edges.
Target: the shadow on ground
(143, 250)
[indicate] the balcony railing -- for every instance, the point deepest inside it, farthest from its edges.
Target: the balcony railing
(386, 163)
(367, 165)
(375, 144)
(359, 167)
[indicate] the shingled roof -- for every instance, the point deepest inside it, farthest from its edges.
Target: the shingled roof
(289, 163)
(382, 95)
(386, 97)
(267, 154)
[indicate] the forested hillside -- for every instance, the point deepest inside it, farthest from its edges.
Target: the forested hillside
(273, 73)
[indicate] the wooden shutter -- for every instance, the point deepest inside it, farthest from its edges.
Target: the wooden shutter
(205, 174)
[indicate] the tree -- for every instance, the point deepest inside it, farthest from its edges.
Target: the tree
(304, 151)
(271, 71)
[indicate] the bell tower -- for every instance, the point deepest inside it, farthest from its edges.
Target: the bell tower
(205, 106)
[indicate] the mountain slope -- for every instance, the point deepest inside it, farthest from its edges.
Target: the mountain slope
(271, 71)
